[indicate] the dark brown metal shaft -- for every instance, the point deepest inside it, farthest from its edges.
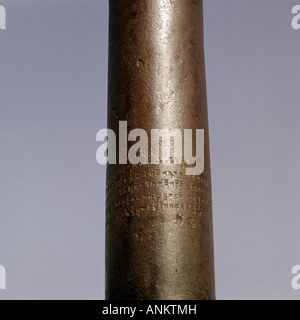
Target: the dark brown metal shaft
(159, 239)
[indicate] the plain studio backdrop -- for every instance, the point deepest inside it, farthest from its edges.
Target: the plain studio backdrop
(53, 85)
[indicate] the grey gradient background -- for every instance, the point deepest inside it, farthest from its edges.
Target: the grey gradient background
(53, 68)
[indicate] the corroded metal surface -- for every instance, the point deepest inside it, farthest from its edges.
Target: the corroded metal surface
(159, 240)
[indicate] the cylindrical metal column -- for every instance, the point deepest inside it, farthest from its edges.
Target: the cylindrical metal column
(159, 237)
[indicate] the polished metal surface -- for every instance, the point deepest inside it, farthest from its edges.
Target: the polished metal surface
(159, 237)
